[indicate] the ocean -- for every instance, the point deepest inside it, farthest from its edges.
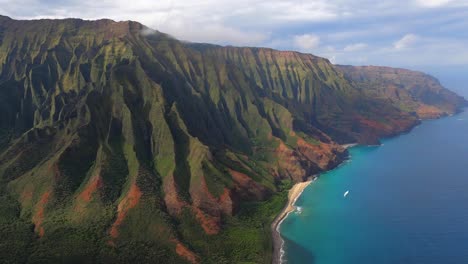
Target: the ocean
(407, 203)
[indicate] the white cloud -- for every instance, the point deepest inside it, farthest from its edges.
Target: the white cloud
(436, 52)
(216, 33)
(355, 47)
(282, 11)
(441, 3)
(406, 41)
(306, 42)
(433, 3)
(241, 22)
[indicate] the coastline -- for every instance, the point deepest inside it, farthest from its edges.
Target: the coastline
(293, 194)
(278, 241)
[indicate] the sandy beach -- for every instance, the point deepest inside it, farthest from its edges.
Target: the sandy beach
(278, 242)
(293, 194)
(347, 146)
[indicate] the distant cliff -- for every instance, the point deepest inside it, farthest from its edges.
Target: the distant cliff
(119, 144)
(410, 91)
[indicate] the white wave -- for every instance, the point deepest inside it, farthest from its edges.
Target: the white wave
(281, 261)
(298, 210)
(282, 252)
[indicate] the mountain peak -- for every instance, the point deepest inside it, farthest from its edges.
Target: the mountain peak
(109, 28)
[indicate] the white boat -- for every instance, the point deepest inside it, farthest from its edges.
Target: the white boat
(345, 194)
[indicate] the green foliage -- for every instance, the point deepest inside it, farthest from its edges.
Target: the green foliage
(16, 234)
(114, 170)
(217, 177)
(74, 164)
(182, 172)
(308, 138)
(17, 238)
(245, 238)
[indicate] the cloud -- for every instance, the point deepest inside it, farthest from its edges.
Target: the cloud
(306, 42)
(441, 3)
(430, 52)
(216, 33)
(433, 3)
(284, 11)
(355, 47)
(406, 41)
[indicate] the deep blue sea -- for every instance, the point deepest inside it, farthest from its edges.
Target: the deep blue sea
(407, 203)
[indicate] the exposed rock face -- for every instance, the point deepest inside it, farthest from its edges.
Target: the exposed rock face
(124, 145)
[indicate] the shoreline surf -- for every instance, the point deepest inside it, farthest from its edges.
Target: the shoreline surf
(279, 252)
(293, 194)
(278, 242)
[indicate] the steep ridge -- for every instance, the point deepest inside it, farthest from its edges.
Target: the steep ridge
(119, 143)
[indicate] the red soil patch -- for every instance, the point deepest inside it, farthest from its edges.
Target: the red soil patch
(298, 162)
(209, 224)
(240, 177)
(130, 201)
(38, 218)
(282, 148)
(373, 124)
(206, 208)
(226, 202)
(427, 111)
(246, 184)
(320, 154)
(94, 184)
(289, 162)
(184, 252)
(376, 129)
(171, 198)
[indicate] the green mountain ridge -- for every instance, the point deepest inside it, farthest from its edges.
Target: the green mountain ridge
(121, 144)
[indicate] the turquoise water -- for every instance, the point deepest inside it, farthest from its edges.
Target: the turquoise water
(407, 203)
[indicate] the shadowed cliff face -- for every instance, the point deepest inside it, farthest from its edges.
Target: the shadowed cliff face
(117, 145)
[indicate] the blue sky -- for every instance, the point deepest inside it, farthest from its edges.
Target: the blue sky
(417, 34)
